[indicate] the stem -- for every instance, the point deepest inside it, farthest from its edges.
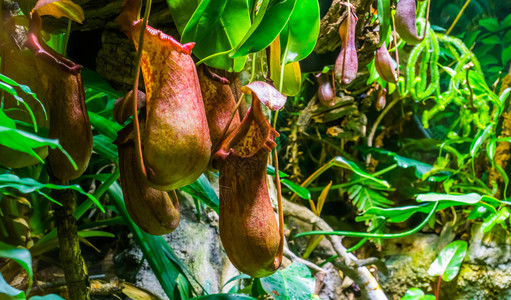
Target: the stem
(457, 17)
(437, 291)
(66, 38)
(74, 267)
(373, 235)
(136, 124)
(212, 56)
(348, 184)
(370, 137)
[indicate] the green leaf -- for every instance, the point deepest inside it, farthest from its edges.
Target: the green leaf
(471, 198)
(479, 140)
(449, 260)
(299, 36)
(21, 256)
(218, 26)
(271, 171)
(60, 8)
(384, 17)
(202, 190)
(104, 126)
(29, 185)
(94, 81)
(506, 55)
(7, 292)
(364, 197)
(294, 282)
(496, 218)
(490, 24)
(416, 294)
(268, 23)
(182, 11)
(478, 211)
(491, 40)
(296, 188)
(23, 141)
(401, 214)
(491, 147)
(225, 297)
(341, 162)
(47, 297)
(104, 146)
(421, 168)
(26, 89)
(155, 248)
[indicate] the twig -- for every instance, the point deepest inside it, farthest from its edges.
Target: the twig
(346, 261)
(370, 137)
(289, 254)
(457, 17)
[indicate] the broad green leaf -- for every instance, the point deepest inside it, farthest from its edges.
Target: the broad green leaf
(384, 17)
(401, 214)
(21, 256)
(449, 260)
(290, 75)
(416, 294)
(268, 23)
(218, 26)
(294, 282)
(225, 297)
(182, 11)
(491, 40)
(506, 54)
(491, 24)
(478, 211)
(421, 168)
(494, 219)
(7, 292)
(299, 36)
(47, 297)
(60, 8)
(471, 198)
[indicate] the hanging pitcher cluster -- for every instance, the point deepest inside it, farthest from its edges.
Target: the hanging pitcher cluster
(185, 123)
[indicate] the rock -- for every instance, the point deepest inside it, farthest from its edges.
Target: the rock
(486, 271)
(408, 260)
